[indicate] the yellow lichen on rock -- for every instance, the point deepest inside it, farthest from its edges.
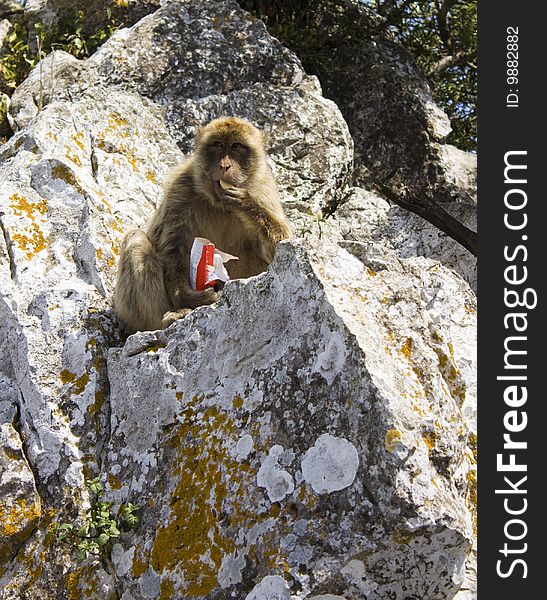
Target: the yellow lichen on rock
(192, 541)
(18, 520)
(32, 240)
(393, 437)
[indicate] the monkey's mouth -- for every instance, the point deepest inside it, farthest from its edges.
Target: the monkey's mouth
(225, 184)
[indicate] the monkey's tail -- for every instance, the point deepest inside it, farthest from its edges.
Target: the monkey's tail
(140, 298)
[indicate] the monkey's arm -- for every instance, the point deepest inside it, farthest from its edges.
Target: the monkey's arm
(259, 209)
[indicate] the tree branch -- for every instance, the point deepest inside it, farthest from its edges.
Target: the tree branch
(448, 61)
(442, 22)
(436, 215)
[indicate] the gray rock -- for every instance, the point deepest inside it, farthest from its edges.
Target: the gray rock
(206, 59)
(21, 507)
(368, 218)
(354, 386)
(282, 442)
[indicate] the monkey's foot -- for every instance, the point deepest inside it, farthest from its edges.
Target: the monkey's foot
(173, 315)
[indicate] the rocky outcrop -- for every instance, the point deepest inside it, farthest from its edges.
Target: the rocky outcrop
(310, 451)
(309, 435)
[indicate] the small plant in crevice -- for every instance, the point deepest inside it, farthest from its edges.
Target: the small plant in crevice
(80, 32)
(94, 534)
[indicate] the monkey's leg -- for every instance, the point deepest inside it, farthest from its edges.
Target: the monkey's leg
(140, 298)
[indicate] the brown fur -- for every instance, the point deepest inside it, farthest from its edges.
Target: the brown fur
(153, 287)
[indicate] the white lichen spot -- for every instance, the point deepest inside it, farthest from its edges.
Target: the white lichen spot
(230, 570)
(74, 475)
(330, 464)
(354, 572)
(272, 587)
(123, 560)
(332, 359)
(244, 447)
(278, 482)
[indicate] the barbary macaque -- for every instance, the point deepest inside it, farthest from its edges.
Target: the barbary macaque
(224, 192)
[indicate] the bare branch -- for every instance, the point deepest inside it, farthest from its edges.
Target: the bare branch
(442, 22)
(448, 61)
(436, 215)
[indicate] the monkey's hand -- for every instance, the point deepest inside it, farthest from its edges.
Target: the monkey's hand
(235, 198)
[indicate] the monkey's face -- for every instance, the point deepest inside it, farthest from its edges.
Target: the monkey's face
(229, 162)
(228, 150)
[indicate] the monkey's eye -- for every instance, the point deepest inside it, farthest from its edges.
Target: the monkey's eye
(217, 144)
(237, 146)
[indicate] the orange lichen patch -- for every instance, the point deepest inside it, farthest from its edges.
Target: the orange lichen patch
(78, 383)
(472, 440)
(406, 348)
(132, 160)
(72, 156)
(430, 439)
(402, 536)
(82, 583)
(192, 541)
(19, 517)
(20, 206)
(371, 272)
(115, 120)
(393, 437)
(115, 224)
(238, 401)
(167, 588)
(151, 176)
(140, 562)
(469, 308)
(31, 245)
(71, 584)
(114, 482)
(31, 241)
(99, 253)
(451, 374)
(179, 395)
(79, 140)
(66, 376)
(33, 562)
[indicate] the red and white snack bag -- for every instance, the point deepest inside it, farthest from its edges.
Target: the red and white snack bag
(207, 264)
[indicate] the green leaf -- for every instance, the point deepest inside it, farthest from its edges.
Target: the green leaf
(114, 531)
